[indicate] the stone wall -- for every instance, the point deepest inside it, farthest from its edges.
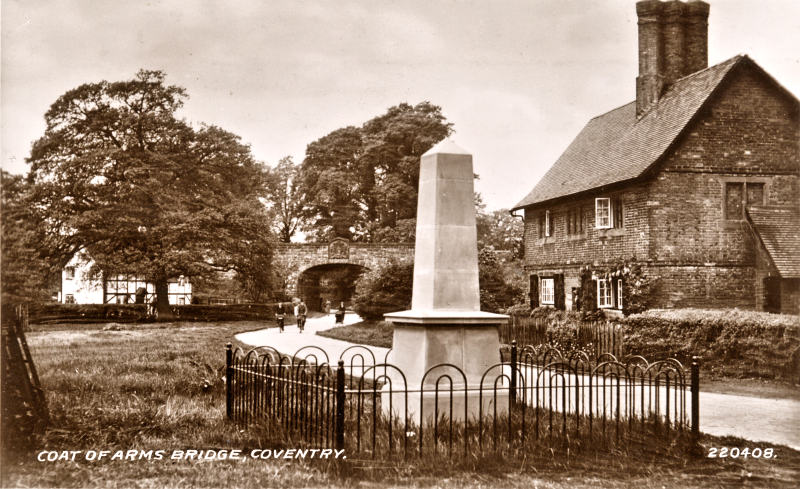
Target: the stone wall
(292, 259)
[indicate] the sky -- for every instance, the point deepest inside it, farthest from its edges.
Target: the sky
(517, 78)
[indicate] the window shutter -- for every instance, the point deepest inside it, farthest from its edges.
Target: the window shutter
(558, 291)
(534, 291)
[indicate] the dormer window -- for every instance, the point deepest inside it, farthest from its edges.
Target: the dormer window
(602, 213)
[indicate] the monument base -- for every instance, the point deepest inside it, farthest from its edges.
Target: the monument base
(446, 348)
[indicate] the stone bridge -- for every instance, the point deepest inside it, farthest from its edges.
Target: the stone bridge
(297, 258)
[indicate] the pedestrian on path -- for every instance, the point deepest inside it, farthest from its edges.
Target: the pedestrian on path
(340, 314)
(302, 310)
(280, 314)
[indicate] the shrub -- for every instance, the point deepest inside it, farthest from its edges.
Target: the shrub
(730, 342)
(125, 313)
(223, 312)
(383, 290)
(83, 313)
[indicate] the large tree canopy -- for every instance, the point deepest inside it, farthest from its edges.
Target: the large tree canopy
(285, 198)
(25, 275)
(363, 181)
(145, 193)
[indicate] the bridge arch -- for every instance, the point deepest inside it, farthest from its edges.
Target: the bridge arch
(295, 259)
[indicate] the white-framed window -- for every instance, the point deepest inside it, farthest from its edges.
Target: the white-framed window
(69, 273)
(604, 294)
(548, 230)
(69, 299)
(619, 294)
(548, 291)
(602, 213)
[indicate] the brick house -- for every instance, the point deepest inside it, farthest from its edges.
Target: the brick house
(696, 184)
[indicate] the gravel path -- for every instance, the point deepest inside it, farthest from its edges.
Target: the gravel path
(752, 418)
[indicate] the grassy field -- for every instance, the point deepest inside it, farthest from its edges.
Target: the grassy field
(159, 387)
(375, 333)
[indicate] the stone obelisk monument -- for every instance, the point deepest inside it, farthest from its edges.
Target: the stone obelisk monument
(445, 323)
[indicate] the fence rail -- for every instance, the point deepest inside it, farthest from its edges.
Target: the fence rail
(603, 336)
(540, 397)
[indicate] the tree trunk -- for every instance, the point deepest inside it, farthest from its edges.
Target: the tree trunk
(162, 300)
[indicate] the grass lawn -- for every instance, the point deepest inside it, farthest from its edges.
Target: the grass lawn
(159, 387)
(374, 333)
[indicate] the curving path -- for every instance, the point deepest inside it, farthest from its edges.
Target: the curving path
(752, 418)
(292, 339)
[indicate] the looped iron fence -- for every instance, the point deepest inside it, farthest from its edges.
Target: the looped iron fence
(540, 397)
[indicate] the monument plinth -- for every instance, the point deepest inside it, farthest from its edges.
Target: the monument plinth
(445, 324)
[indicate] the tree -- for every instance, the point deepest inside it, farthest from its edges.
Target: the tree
(359, 181)
(501, 231)
(144, 193)
(285, 198)
(25, 275)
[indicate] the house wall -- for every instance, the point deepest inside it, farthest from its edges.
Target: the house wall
(83, 288)
(748, 133)
(790, 296)
(674, 221)
(87, 289)
(594, 246)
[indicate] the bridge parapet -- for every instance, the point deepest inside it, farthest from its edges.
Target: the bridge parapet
(296, 258)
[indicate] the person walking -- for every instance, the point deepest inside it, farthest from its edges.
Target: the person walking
(302, 310)
(340, 314)
(280, 315)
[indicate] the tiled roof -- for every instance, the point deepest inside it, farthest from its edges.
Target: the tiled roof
(615, 147)
(778, 228)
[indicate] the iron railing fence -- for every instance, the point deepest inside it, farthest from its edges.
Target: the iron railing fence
(539, 398)
(603, 336)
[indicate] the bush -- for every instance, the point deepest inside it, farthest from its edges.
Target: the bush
(383, 290)
(223, 312)
(127, 313)
(730, 342)
(85, 313)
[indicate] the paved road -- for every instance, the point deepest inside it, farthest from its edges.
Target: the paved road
(292, 339)
(752, 418)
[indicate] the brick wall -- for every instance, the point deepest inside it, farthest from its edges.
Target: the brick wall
(675, 222)
(593, 246)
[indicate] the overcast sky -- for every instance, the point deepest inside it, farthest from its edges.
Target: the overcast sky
(518, 79)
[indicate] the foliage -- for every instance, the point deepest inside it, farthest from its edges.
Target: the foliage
(500, 230)
(389, 289)
(361, 180)
(637, 286)
(126, 313)
(285, 198)
(25, 275)
(730, 342)
(500, 283)
(118, 174)
(587, 294)
(383, 290)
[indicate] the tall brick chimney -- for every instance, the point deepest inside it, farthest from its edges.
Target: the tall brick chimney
(673, 43)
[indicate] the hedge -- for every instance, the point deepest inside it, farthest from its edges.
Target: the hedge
(224, 312)
(730, 342)
(87, 313)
